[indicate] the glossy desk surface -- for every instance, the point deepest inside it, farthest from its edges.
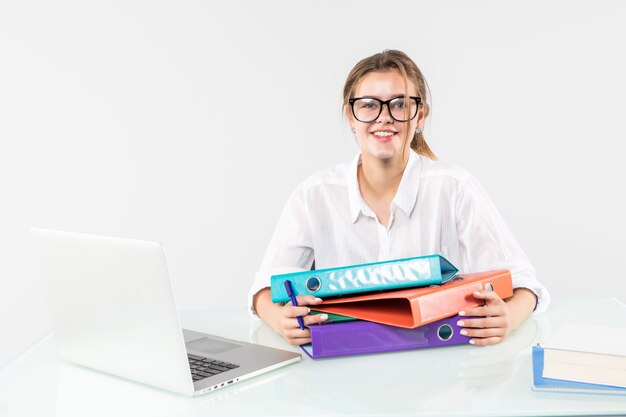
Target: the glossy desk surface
(457, 380)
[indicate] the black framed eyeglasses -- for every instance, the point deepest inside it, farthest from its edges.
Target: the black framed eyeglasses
(367, 109)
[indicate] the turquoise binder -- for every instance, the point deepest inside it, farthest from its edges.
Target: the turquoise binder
(378, 276)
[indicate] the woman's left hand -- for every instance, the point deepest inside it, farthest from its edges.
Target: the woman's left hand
(491, 323)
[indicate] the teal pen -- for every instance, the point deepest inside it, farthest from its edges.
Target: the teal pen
(293, 301)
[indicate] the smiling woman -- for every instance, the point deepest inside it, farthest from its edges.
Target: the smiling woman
(395, 200)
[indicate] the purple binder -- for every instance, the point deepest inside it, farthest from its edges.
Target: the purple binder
(361, 337)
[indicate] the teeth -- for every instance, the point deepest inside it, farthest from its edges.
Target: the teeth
(383, 134)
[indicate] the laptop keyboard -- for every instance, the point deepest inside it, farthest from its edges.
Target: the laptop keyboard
(202, 367)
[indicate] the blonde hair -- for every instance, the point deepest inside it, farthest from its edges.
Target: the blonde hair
(392, 60)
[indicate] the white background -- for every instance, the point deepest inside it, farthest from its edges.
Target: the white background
(190, 122)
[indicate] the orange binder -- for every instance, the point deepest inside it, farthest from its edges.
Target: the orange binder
(418, 306)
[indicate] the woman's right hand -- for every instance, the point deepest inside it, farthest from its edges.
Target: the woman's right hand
(288, 326)
(283, 318)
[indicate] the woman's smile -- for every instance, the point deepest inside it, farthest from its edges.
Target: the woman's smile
(384, 136)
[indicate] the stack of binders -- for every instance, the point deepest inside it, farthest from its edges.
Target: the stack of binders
(389, 306)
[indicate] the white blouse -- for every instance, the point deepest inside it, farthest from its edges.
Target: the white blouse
(438, 208)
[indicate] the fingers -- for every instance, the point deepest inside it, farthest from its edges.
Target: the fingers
(486, 341)
(483, 322)
(484, 336)
(490, 297)
(313, 319)
(297, 336)
(483, 333)
(293, 312)
(487, 324)
(304, 312)
(290, 328)
(494, 305)
(304, 300)
(484, 311)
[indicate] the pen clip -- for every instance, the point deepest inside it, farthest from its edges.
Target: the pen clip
(288, 288)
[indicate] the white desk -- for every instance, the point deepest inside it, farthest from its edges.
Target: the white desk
(458, 380)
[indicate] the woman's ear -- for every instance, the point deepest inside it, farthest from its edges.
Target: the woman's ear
(421, 115)
(425, 108)
(349, 117)
(347, 110)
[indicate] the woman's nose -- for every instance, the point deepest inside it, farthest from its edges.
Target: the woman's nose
(385, 114)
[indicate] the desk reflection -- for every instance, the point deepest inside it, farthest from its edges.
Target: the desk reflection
(435, 379)
(85, 392)
(456, 380)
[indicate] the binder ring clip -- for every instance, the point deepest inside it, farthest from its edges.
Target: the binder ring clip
(488, 287)
(445, 332)
(313, 284)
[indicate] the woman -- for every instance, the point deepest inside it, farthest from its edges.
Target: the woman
(394, 201)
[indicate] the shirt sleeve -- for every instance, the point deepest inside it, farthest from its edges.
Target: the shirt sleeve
(290, 248)
(486, 243)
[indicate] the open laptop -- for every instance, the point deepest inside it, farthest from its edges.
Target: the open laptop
(112, 309)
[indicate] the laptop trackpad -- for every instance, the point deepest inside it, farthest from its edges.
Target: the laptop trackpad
(208, 345)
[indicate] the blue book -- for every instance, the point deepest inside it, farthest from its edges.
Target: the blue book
(354, 279)
(559, 385)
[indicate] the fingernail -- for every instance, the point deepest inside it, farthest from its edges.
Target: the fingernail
(323, 316)
(460, 323)
(318, 299)
(309, 310)
(464, 332)
(476, 292)
(461, 313)
(472, 341)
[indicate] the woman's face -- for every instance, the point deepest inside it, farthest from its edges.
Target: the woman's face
(384, 137)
